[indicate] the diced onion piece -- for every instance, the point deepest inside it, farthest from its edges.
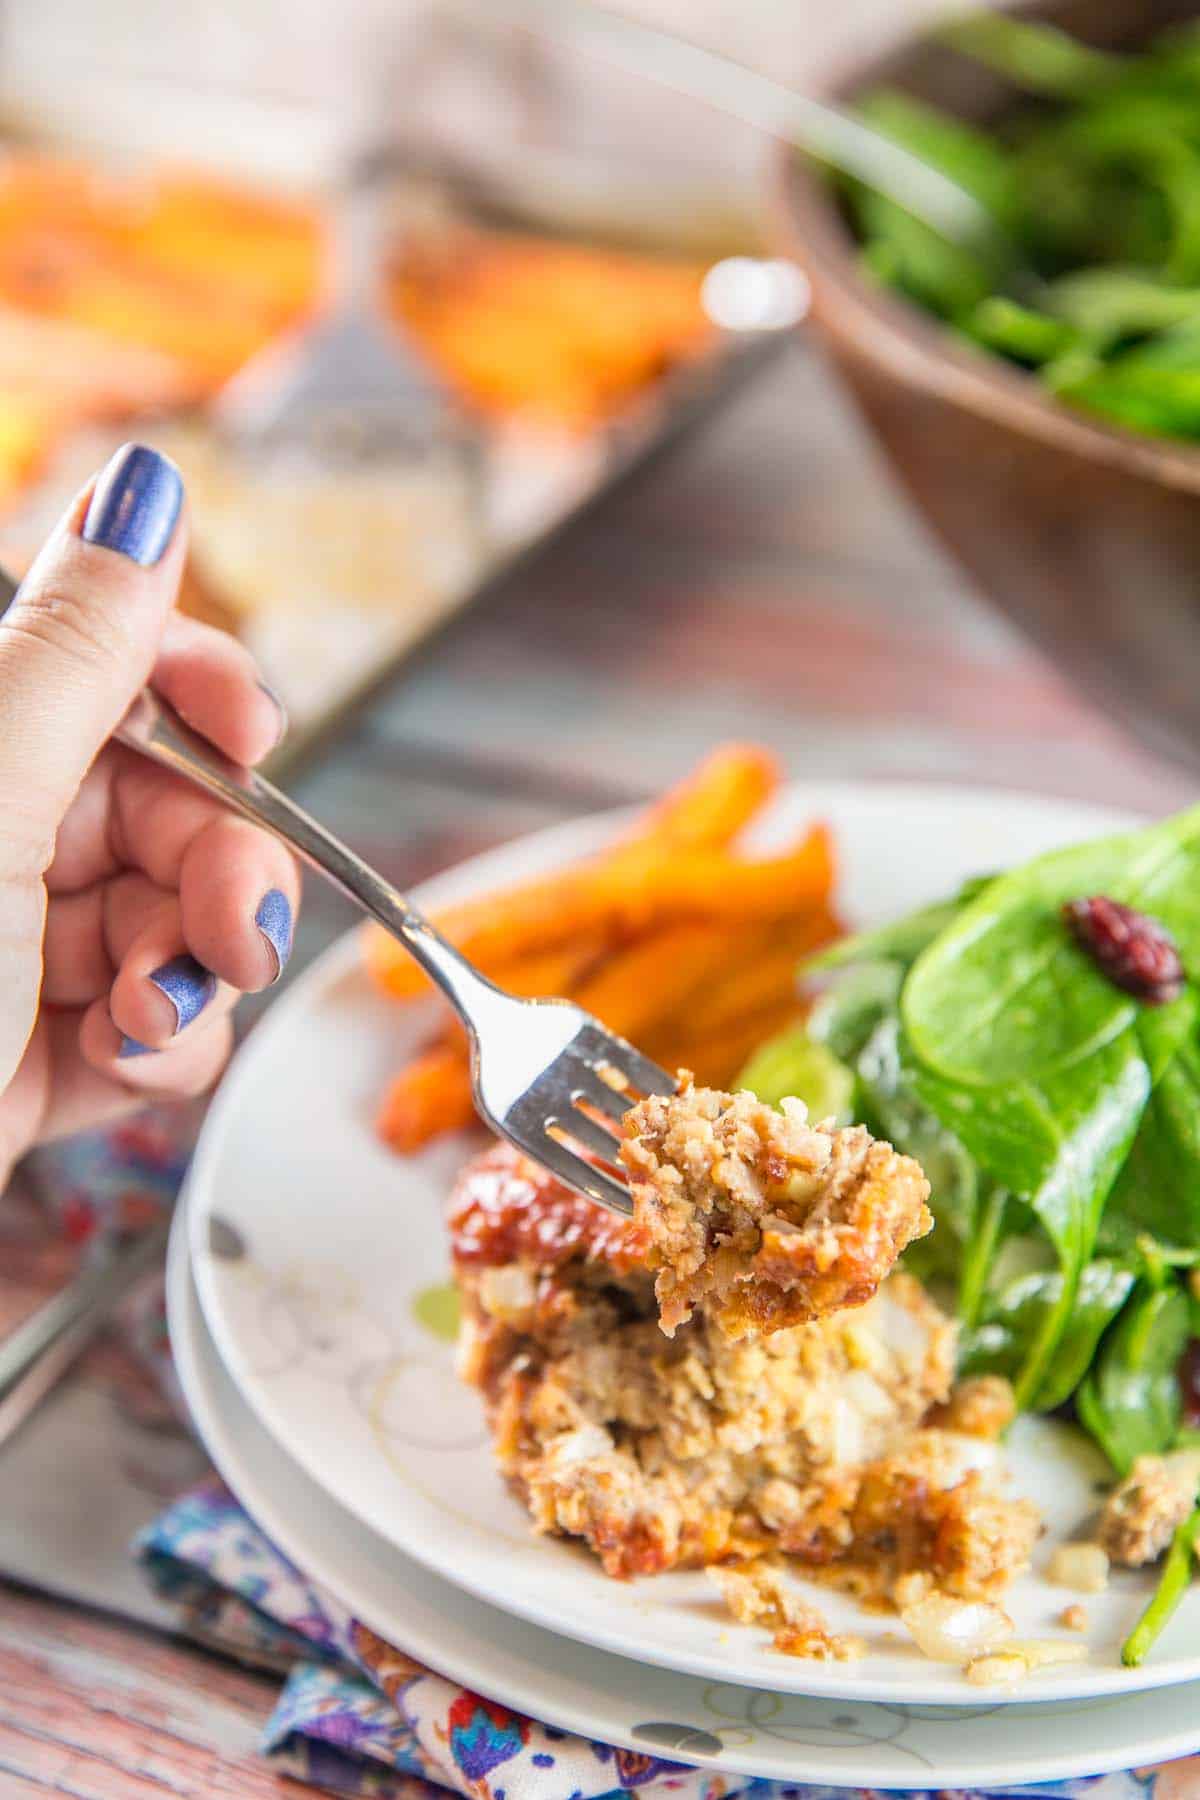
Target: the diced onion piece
(581, 1445)
(1083, 1567)
(1044, 1653)
(998, 1668)
(955, 1631)
(1013, 1661)
(911, 1587)
(507, 1293)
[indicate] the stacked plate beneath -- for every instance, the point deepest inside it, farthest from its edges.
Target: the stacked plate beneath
(312, 1320)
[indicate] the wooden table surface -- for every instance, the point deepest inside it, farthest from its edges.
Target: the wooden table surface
(764, 582)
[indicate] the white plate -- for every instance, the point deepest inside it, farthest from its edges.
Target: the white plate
(314, 1246)
(739, 1730)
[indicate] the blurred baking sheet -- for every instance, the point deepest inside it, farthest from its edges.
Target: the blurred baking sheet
(626, 450)
(125, 305)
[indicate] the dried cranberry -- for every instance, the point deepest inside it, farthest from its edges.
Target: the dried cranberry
(1188, 1375)
(1134, 951)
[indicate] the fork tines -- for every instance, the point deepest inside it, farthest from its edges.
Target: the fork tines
(594, 1081)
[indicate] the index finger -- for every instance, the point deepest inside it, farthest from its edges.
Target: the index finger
(214, 684)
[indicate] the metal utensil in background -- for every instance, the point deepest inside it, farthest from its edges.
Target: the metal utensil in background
(833, 137)
(35, 1356)
(348, 386)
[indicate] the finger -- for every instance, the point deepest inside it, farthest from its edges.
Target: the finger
(239, 892)
(25, 1100)
(60, 1088)
(154, 817)
(88, 933)
(214, 685)
(79, 639)
(188, 1066)
(84, 854)
(160, 990)
(240, 887)
(129, 812)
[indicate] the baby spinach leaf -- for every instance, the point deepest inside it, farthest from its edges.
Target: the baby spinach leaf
(967, 1211)
(902, 250)
(1158, 1189)
(970, 157)
(1098, 184)
(846, 1014)
(1004, 994)
(1039, 58)
(913, 1127)
(1057, 1143)
(1177, 350)
(1110, 305)
(1014, 1318)
(1021, 332)
(1165, 1030)
(1130, 1400)
(1162, 402)
(901, 940)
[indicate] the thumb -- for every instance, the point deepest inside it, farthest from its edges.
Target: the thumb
(79, 639)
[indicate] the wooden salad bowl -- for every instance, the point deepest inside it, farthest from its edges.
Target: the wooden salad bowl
(1087, 535)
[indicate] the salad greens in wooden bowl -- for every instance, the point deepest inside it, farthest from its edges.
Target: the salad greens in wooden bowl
(1049, 442)
(1057, 1116)
(1095, 180)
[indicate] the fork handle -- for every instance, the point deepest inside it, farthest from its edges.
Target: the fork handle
(154, 730)
(835, 137)
(41, 1350)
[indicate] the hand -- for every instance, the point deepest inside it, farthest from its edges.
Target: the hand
(133, 909)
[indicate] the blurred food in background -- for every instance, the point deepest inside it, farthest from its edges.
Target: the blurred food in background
(564, 333)
(127, 303)
(1094, 174)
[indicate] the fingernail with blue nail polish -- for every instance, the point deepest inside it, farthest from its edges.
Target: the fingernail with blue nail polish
(131, 1047)
(187, 984)
(135, 504)
(274, 920)
(266, 688)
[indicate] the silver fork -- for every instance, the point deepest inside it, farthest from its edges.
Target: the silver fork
(831, 134)
(547, 1075)
(350, 385)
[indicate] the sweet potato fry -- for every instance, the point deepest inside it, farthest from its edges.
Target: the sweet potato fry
(761, 972)
(390, 967)
(639, 986)
(500, 932)
(638, 893)
(715, 1057)
(553, 976)
(430, 1095)
(634, 890)
(712, 804)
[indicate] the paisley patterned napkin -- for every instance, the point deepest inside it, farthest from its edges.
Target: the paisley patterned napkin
(357, 1714)
(359, 1717)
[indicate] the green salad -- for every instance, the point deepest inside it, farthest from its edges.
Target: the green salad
(1095, 181)
(1057, 1117)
